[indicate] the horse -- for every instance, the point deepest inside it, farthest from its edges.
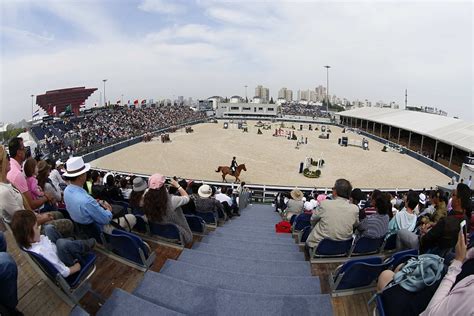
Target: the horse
(226, 170)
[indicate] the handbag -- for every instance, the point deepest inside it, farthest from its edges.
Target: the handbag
(420, 272)
(283, 227)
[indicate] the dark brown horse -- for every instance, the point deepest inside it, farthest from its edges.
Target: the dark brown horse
(227, 171)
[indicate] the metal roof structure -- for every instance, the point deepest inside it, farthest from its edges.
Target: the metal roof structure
(448, 130)
(61, 98)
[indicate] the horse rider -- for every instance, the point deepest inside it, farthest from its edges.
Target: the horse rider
(233, 165)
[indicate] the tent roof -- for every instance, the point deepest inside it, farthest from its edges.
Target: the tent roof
(448, 130)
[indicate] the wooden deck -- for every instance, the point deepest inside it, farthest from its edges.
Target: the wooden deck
(36, 297)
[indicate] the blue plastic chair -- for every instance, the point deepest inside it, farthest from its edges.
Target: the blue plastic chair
(401, 257)
(141, 225)
(379, 302)
(129, 247)
(366, 246)
(356, 276)
(208, 217)
(332, 248)
(168, 232)
(196, 224)
(75, 286)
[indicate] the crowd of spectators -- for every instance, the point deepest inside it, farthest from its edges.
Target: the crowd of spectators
(429, 222)
(76, 136)
(303, 110)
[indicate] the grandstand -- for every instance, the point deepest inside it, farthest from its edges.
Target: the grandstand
(235, 265)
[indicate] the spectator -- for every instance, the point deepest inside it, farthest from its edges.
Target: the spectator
(295, 204)
(82, 207)
(461, 203)
(405, 219)
(136, 197)
(97, 186)
(8, 280)
(358, 198)
(206, 204)
(11, 201)
(455, 292)
(376, 225)
(16, 176)
(64, 254)
(161, 207)
(111, 191)
(31, 172)
(370, 209)
(336, 218)
(56, 177)
(124, 189)
(46, 185)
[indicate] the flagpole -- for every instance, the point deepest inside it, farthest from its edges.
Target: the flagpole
(32, 107)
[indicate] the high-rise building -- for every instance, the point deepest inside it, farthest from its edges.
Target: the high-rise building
(263, 93)
(320, 93)
(286, 94)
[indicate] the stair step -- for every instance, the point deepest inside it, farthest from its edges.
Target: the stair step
(249, 253)
(245, 265)
(189, 298)
(242, 282)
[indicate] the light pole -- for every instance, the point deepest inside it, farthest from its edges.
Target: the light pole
(105, 102)
(121, 100)
(246, 99)
(327, 88)
(32, 96)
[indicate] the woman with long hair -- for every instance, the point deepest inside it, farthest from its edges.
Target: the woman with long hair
(161, 207)
(45, 183)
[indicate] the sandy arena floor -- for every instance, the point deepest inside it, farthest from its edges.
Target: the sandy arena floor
(272, 160)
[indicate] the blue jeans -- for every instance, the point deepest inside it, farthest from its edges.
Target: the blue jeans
(69, 251)
(8, 279)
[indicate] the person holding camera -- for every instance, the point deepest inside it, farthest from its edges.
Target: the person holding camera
(161, 207)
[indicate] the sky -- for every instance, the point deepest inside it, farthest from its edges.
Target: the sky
(155, 49)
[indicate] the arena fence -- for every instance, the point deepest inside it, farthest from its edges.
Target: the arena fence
(261, 193)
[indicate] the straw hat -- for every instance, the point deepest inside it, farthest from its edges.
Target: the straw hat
(296, 194)
(205, 191)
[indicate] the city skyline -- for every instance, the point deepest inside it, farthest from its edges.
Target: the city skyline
(156, 49)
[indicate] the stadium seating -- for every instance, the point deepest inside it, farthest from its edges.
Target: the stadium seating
(74, 286)
(166, 232)
(208, 217)
(196, 224)
(242, 268)
(331, 250)
(366, 246)
(129, 247)
(356, 276)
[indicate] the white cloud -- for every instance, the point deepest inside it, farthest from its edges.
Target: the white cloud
(162, 6)
(26, 38)
(376, 51)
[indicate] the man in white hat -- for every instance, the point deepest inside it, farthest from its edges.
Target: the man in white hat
(82, 207)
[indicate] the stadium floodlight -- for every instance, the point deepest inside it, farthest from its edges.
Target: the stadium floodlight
(105, 100)
(327, 87)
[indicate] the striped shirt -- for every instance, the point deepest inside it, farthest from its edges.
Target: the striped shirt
(374, 226)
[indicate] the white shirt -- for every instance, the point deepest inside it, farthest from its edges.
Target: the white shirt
(221, 197)
(10, 201)
(56, 178)
(48, 250)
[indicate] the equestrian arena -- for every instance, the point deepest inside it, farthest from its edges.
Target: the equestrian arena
(273, 160)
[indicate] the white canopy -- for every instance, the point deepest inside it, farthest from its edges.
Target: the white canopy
(448, 130)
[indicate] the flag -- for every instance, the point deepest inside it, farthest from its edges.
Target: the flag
(143, 101)
(95, 104)
(54, 109)
(83, 104)
(128, 102)
(36, 113)
(135, 102)
(118, 101)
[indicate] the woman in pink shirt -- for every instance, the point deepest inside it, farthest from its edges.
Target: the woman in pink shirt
(455, 293)
(31, 171)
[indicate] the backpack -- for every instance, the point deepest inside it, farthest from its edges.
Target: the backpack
(420, 272)
(283, 227)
